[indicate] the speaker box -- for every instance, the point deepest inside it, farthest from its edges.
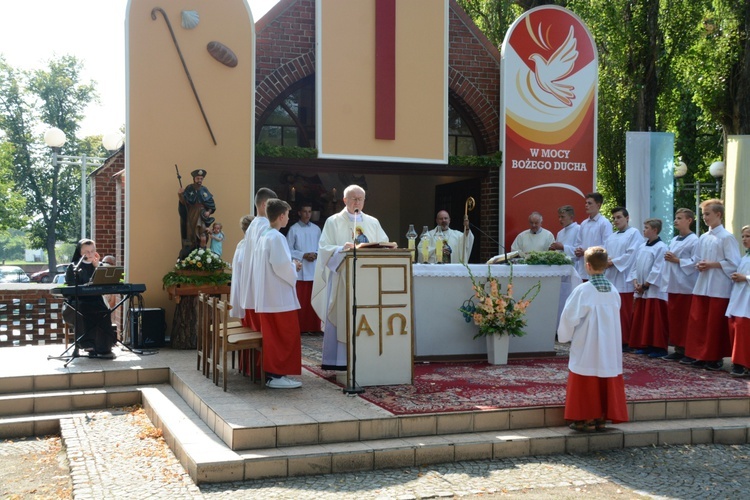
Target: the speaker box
(152, 327)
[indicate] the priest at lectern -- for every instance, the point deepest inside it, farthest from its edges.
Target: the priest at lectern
(329, 294)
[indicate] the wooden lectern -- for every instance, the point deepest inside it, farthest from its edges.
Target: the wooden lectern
(384, 323)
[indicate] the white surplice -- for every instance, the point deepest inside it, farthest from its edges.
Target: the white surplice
(739, 300)
(717, 245)
(593, 233)
(274, 275)
(621, 248)
(234, 291)
(568, 236)
(649, 268)
(681, 275)
(247, 291)
(304, 238)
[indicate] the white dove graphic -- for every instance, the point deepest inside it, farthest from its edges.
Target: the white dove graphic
(548, 73)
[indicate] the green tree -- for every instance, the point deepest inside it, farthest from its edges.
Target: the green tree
(12, 204)
(12, 244)
(32, 101)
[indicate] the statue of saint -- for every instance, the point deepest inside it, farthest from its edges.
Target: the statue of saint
(195, 209)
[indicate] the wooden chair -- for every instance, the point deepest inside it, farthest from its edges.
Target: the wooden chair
(205, 330)
(234, 339)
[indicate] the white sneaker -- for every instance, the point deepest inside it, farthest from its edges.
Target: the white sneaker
(283, 383)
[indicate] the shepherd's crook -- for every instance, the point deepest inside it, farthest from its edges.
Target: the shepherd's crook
(187, 73)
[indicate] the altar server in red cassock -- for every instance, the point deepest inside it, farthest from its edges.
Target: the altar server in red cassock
(591, 323)
(276, 304)
(650, 330)
(621, 247)
(739, 312)
(681, 276)
(718, 255)
(303, 238)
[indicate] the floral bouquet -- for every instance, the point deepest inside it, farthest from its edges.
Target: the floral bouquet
(201, 260)
(497, 313)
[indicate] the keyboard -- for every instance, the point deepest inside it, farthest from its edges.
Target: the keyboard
(92, 290)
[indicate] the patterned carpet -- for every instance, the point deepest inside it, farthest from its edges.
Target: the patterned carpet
(447, 387)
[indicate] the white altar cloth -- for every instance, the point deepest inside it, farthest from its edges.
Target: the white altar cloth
(440, 289)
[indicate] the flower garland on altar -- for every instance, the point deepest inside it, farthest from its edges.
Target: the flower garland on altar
(495, 312)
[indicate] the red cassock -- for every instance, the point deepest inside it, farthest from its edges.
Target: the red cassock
(590, 398)
(626, 315)
(282, 346)
(250, 320)
(650, 324)
(708, 336)
(308, 320)
(678, 306)
(739, 335)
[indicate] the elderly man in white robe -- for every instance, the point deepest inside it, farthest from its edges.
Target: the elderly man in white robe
(329, 290)
(534, 239)
(458, 243)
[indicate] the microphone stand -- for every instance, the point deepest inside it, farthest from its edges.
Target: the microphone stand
(77, 336)
(353, 389)
(493, 240)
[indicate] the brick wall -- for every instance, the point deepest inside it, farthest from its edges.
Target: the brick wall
(107, 206)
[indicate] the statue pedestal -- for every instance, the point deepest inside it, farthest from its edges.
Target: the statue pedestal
(184, 333)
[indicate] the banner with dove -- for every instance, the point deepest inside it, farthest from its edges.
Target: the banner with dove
(548, 117)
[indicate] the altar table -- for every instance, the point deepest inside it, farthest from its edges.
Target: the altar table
(440, 331)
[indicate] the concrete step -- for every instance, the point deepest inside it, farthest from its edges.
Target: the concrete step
(239, 434)
(39, 403)
(83, 380)
(207, 457)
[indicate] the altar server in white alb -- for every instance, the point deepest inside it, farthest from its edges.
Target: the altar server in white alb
(534, 239)
(458, 244)
(329, 288)
(234, 295)
(718, 256)
(621, 247)
(237, 311)
(568, 235)
(595, 230)
(739, 312)
(303, 238)
(566, 243)
(276, 303)
(650, 329)
(591, 323)
(257, 226)
(681, 276)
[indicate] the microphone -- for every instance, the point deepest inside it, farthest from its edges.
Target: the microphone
(78, 264)
(493, 240)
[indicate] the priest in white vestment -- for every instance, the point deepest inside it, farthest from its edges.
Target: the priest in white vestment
(329, 291)
(459, 243)
(534, 239)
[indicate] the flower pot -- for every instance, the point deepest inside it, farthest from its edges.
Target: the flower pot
(497, 349)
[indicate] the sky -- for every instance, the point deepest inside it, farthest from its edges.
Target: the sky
(34, 31)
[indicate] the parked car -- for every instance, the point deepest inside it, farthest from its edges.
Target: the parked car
(44, 276)
(59, 279)
(13, 274)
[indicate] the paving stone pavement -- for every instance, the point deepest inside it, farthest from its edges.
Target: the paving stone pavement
(119, 454)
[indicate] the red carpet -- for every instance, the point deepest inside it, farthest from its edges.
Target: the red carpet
(449, 387)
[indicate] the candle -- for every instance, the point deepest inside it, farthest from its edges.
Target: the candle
(334, 195)
(293, 194)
